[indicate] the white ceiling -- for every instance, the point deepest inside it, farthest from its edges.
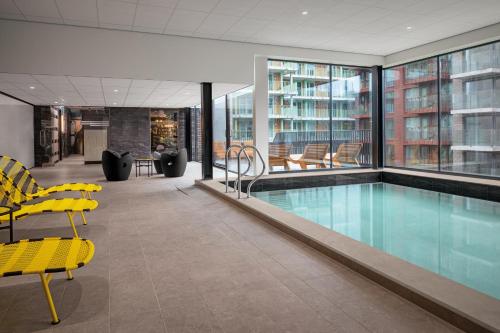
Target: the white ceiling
(92, 91)
(365, 26)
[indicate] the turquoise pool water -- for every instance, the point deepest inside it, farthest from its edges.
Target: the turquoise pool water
(454, 236)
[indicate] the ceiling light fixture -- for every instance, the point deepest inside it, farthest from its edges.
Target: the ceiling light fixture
(32, 87)
(114, 103)
(56, 102)
(305, 12)
(115, 90)
(409, 28)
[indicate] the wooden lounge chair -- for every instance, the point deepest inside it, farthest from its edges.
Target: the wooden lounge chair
(314, 154)
(44, 257)
(279, 154)
(219, 150)
(26, 183)
(11, 197)
(347, 153)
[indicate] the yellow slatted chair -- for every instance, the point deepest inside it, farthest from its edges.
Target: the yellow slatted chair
(44, 257)
(11, 197)
(25, 182)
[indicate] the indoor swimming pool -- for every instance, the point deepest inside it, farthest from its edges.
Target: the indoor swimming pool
(454, 236)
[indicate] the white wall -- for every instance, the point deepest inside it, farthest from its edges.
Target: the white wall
(39, 48)
(16, 130)
(471, 38)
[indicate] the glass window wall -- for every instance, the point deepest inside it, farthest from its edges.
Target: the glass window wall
(460, 123)
(411, 115)
(319, 116)
(470, 99)
(219, 131)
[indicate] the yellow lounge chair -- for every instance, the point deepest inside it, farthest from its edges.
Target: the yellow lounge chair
(11, 197)
(24, 181)
(44, 257)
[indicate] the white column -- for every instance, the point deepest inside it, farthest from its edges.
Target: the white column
(260, 111)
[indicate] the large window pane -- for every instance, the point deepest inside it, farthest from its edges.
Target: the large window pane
(299, 97)
(241, 113)
(351, 116)
(411, 115)
(315, 122)
(470, 103)
(219, 130)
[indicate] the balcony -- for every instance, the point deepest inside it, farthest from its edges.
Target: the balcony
(421, 104)
(421, 135)
(483, 62)
(311, 76)
(476, 140)
(480, 102)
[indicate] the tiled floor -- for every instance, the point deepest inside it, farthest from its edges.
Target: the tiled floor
(173, 258)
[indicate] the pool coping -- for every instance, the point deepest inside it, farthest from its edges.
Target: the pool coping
(457, 304)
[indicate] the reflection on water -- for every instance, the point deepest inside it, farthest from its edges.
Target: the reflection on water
(454, 236)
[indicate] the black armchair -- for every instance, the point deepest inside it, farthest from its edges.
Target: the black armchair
(116, 166)
(173, 164)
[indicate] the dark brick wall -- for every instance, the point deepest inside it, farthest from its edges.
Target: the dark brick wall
(181, 129)
(129, 130)
(95, 114)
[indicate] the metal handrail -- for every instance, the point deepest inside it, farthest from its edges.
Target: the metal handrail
(249, 187)
(226, 160)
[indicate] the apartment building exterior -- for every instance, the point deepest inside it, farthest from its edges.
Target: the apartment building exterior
(316, 103)
(475, 114)
(411, 115)
(443, 112)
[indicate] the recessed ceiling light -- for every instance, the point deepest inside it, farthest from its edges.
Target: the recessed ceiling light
(115, 90)
(32, 87)
(305, 12)
(409, 28)
(56, 102)
(114, 103)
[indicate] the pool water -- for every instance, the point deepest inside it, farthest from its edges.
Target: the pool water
(454, 236)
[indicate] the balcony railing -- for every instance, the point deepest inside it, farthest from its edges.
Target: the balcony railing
(414, 104)
(475, 60)
(478, 100)
(300, 139)
(477, 137)
(417, 134)
(242, 135)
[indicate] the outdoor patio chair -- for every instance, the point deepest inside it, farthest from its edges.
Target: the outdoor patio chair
(314, 154)
(25, 182)
(347, 153)
(11, 197)
(44, 257)
(279, 154)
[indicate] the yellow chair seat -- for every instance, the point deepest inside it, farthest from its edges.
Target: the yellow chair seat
(69, 187)
(53, 206)
(45, 256)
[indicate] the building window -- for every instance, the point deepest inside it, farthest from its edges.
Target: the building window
(389, 129)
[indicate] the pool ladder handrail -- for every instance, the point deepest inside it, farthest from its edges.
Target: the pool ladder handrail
(237, 183)
(249, 187)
